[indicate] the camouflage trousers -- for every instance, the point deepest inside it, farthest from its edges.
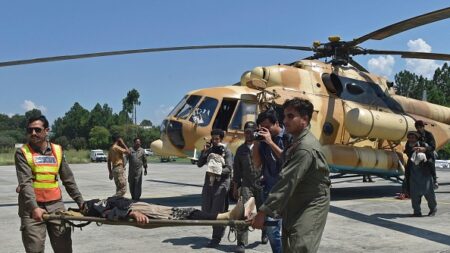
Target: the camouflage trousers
(120, 180)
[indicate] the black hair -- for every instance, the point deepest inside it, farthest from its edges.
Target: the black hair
(115, 137)
(218, 132)
(303, 106)
(89, 208)
(269, 114)
(137, 138)
(35, 118)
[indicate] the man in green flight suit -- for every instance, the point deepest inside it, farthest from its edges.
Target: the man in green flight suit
(302, 194)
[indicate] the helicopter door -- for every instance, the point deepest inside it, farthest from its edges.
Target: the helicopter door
(246, 111)
(226, 110)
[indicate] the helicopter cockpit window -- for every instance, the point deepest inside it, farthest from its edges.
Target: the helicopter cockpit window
(202, 115)
(246, 111)
(178, 106)
(366, 93)
(354, 88)
(186, 108)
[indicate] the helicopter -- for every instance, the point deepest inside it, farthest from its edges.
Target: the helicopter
(359, 120)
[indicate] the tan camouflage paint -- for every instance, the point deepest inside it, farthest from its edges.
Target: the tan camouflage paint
(304, 79)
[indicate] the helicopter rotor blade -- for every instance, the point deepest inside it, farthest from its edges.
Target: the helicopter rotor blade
(145, 50)
(357, 65)
(403, 26)
(416, 55)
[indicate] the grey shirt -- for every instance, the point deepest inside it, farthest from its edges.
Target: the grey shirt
(137, 160)
(27, 199)
(244, 173)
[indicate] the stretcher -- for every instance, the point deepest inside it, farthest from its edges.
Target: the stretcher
(153, 223)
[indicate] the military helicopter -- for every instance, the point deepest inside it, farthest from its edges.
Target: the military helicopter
(360, 121)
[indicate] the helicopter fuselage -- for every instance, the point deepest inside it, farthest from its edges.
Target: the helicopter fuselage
(358, 119)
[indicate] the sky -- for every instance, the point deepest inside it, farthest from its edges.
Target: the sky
(32, 29)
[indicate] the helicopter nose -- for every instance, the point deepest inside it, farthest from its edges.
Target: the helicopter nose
(164, 148)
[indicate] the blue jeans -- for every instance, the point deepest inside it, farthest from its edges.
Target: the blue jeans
(273, 232)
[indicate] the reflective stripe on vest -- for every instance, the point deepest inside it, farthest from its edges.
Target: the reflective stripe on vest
(45, 169)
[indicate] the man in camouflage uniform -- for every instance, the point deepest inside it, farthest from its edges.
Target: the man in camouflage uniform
(302, 195)
(137, 160)
(116, 164)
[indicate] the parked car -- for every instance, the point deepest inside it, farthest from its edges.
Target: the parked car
(148, 152)
(97, 155)
(165, 159)
(442, 164)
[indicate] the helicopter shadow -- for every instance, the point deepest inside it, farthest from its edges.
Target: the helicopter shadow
(382, 220)
(364, 192)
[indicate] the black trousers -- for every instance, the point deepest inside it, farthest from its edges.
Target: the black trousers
(215, 199)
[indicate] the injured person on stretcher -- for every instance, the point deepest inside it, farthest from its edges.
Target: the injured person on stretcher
(114, 208)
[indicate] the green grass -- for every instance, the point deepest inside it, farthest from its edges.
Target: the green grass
(7, 157)
(80, 156)
(72, 156)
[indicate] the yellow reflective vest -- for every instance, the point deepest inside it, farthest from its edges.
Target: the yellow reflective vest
(45, 170)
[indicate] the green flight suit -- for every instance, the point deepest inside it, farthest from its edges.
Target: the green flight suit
(302, 195)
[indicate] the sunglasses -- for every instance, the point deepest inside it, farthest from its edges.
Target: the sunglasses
(38, 130)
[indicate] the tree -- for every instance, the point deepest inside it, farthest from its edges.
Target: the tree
(79, 143)
(146, 123)
(18, 122)
(148, 135)
(438, 91)
(101, 116)
(73, 124)
(441, 85)
(6, 142)
(63, 141)
(410, 85)
(4, 122)
(99, 138)
(122, 118)
(17, 135)
(130, 102)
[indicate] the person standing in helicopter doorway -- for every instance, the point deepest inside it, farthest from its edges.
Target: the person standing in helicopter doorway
(219, 166)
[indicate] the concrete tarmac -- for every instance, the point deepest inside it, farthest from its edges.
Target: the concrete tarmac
(364, 217)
